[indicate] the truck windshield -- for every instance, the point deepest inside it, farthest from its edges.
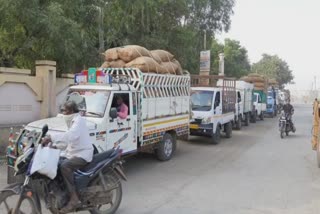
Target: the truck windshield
(92, 102)
(201, 100)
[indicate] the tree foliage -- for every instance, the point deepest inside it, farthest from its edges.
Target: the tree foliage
(274, 67)
(74, 33)
(236, 58)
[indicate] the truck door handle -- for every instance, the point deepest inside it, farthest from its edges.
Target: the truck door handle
(128, 119)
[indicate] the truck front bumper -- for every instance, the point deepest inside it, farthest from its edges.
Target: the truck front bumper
(201, 129)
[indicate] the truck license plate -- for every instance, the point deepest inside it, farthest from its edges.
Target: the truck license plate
(194, 126)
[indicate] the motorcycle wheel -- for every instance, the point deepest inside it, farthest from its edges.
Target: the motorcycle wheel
(9, 200)
(112, 182)
(282, 134)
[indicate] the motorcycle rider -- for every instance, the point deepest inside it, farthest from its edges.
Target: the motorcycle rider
(288, 110)
(79, 149)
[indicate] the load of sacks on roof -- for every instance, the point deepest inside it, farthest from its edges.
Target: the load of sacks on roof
(260, 82)
(134, 56)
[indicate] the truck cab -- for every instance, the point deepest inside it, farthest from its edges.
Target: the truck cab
(239, 115)
(212, 109)
(259, 105)
(271, 108)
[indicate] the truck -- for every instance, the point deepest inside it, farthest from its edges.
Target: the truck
(213, 100)
(260, 104)
(158, 110)
(245, 99)
(272, 104)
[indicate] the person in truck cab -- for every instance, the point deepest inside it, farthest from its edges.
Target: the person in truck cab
(78, 149)
(122, 108)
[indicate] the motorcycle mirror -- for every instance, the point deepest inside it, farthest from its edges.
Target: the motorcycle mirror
(45, 129)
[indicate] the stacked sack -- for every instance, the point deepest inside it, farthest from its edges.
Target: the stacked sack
(273, 83)
(134, 56)
(260, 82)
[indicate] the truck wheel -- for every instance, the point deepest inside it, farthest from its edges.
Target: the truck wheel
(246, 120)
(166, 147)
(272, 115)
(254, 117)
(228, 129)
(216, 137)
(282, 134)
(262, 116)
(239, 123)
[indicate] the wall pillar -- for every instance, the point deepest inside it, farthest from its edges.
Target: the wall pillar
(46, 70)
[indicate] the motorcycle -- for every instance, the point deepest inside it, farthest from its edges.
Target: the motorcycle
(98, 184)
(285, 124)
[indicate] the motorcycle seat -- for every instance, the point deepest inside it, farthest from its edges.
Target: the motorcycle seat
(99, 158)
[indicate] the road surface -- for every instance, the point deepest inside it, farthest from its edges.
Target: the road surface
(254, 172)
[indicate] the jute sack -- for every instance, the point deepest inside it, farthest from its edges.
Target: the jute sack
(131, 52)
(117, 64)
(106, 65)
(259, 88)
(162, 55)
(111, 54)
(179, 70)
(146, 65)
(169, 67)
(259, 85)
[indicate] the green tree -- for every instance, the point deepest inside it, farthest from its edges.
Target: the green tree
(236, 58)
(274, 67)
(74, 33)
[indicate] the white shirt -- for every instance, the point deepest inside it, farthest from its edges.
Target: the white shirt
(76, 140)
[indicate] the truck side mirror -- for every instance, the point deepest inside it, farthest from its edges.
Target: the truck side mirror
(113, 113)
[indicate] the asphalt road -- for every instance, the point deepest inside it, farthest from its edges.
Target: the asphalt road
(253, 172)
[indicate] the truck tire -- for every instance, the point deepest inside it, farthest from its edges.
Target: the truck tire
(262, 116)
(239, 123)
(166, 147)
(272, 115)
(216, 137)
(246, 119)
(254, 117)
(228, 129)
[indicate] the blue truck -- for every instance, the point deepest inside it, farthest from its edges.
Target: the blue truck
(272, 102)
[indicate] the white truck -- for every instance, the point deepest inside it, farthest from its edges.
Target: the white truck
(245, 101)
(158, 111)
(260, 105)
(212, 106)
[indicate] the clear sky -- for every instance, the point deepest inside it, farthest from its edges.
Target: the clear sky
(288, 28)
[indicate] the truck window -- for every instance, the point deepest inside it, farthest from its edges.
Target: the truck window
(124, 97)
(92, 103)
(217, 100)
(201, 100)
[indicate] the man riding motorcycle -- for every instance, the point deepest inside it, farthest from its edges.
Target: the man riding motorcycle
(78, 153)
(288, 110)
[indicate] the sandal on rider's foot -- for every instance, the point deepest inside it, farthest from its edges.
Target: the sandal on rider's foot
(70, 207)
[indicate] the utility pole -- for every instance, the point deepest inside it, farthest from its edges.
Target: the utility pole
(205, 40)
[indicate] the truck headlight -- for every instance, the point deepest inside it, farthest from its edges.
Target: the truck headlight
(206, 120)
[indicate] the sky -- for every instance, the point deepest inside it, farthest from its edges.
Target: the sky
(287, 28)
